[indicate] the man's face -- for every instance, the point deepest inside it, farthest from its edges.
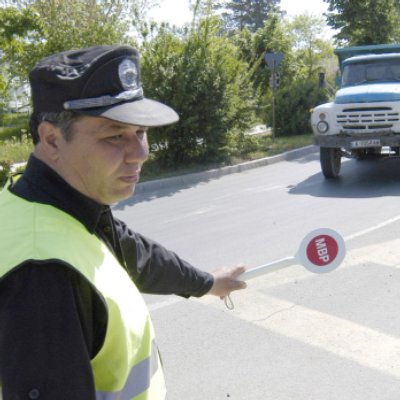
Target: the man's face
(103, 159)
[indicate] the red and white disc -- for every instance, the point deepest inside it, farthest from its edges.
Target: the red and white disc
(322, 250)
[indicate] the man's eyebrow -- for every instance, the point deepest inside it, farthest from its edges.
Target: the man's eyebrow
(122, 126)
(117, 126)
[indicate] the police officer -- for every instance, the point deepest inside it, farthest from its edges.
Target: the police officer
(73, 324)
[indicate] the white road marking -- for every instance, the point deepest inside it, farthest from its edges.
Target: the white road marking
(373, 228)
(343, 338)
(166, 303)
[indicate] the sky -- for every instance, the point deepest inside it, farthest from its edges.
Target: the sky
(177, 11)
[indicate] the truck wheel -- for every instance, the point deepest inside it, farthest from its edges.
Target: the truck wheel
(330, 159)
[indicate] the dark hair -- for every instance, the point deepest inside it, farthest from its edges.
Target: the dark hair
(62, 120)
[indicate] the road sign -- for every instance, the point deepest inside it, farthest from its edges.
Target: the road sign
(273, 59)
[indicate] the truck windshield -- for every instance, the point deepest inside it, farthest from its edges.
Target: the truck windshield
(386, 70)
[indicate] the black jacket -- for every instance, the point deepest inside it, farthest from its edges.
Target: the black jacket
(52, 323)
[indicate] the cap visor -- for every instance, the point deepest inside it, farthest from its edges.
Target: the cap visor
(144, 112)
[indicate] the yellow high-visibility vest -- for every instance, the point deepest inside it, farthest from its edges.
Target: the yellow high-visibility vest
(128, 364)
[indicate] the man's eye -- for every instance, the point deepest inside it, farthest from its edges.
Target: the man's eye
(115, 138)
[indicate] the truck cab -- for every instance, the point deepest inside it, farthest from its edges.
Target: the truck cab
(364, 118)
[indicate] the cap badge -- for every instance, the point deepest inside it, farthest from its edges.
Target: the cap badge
(128, 75)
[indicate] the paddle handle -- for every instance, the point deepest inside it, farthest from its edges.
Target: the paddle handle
(267, 268)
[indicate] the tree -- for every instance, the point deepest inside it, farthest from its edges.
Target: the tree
(305, 54)
(33, 29)
(310, 55)
(17, 27)
(251, 14)
(362, 22)
(202, 77)
(271, 38)
(312, 52)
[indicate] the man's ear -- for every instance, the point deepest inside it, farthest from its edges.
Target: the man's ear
(50, 139)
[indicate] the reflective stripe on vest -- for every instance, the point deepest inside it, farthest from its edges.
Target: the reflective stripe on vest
(138, 380)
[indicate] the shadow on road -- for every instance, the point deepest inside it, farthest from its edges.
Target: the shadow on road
(165, 190)
(358, 179)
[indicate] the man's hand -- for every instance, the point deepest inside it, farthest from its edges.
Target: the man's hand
(225, 281)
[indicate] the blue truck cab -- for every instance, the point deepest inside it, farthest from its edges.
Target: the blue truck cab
(363, 120)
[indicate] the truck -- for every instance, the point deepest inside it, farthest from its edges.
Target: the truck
(363, 120)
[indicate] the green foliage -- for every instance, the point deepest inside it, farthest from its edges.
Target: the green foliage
(272, 38)
(15, 143)
(87, 23)
(18, 28)
(34, 29)
(299, 90)
(3, 90)
(16, 149)
(293, 105)
(363, 22)
(17, 23)
(5, 169)
(202, 78)
(311, 51)
(251, 14)
(13, 119)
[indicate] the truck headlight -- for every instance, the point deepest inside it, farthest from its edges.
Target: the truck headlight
(322, 127)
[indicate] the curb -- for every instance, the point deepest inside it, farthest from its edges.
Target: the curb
(157, 184)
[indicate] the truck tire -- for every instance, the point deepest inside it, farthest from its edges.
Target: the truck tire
(330, 159)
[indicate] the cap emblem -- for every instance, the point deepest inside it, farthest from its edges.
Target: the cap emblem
(128, 74)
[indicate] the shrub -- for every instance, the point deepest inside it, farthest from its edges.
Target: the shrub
(293, 105)
(5, 169)
(16, 149)
(203, 79)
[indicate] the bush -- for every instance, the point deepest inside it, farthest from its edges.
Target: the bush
(293, 105)
(16, 150)
(13, 126)
(202, 78)
(5, 169)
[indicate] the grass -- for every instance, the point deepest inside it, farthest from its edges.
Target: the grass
(15, 150)
(15, 145)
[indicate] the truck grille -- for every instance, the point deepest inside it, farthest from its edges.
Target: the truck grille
(368, 119)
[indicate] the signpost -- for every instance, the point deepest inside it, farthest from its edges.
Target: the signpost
(273, 60)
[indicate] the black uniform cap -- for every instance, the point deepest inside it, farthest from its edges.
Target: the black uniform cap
(100, 81)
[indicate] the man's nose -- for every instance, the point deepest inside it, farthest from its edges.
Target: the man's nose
(137, 150)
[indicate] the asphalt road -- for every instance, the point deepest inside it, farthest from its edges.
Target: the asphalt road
(292, 335)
